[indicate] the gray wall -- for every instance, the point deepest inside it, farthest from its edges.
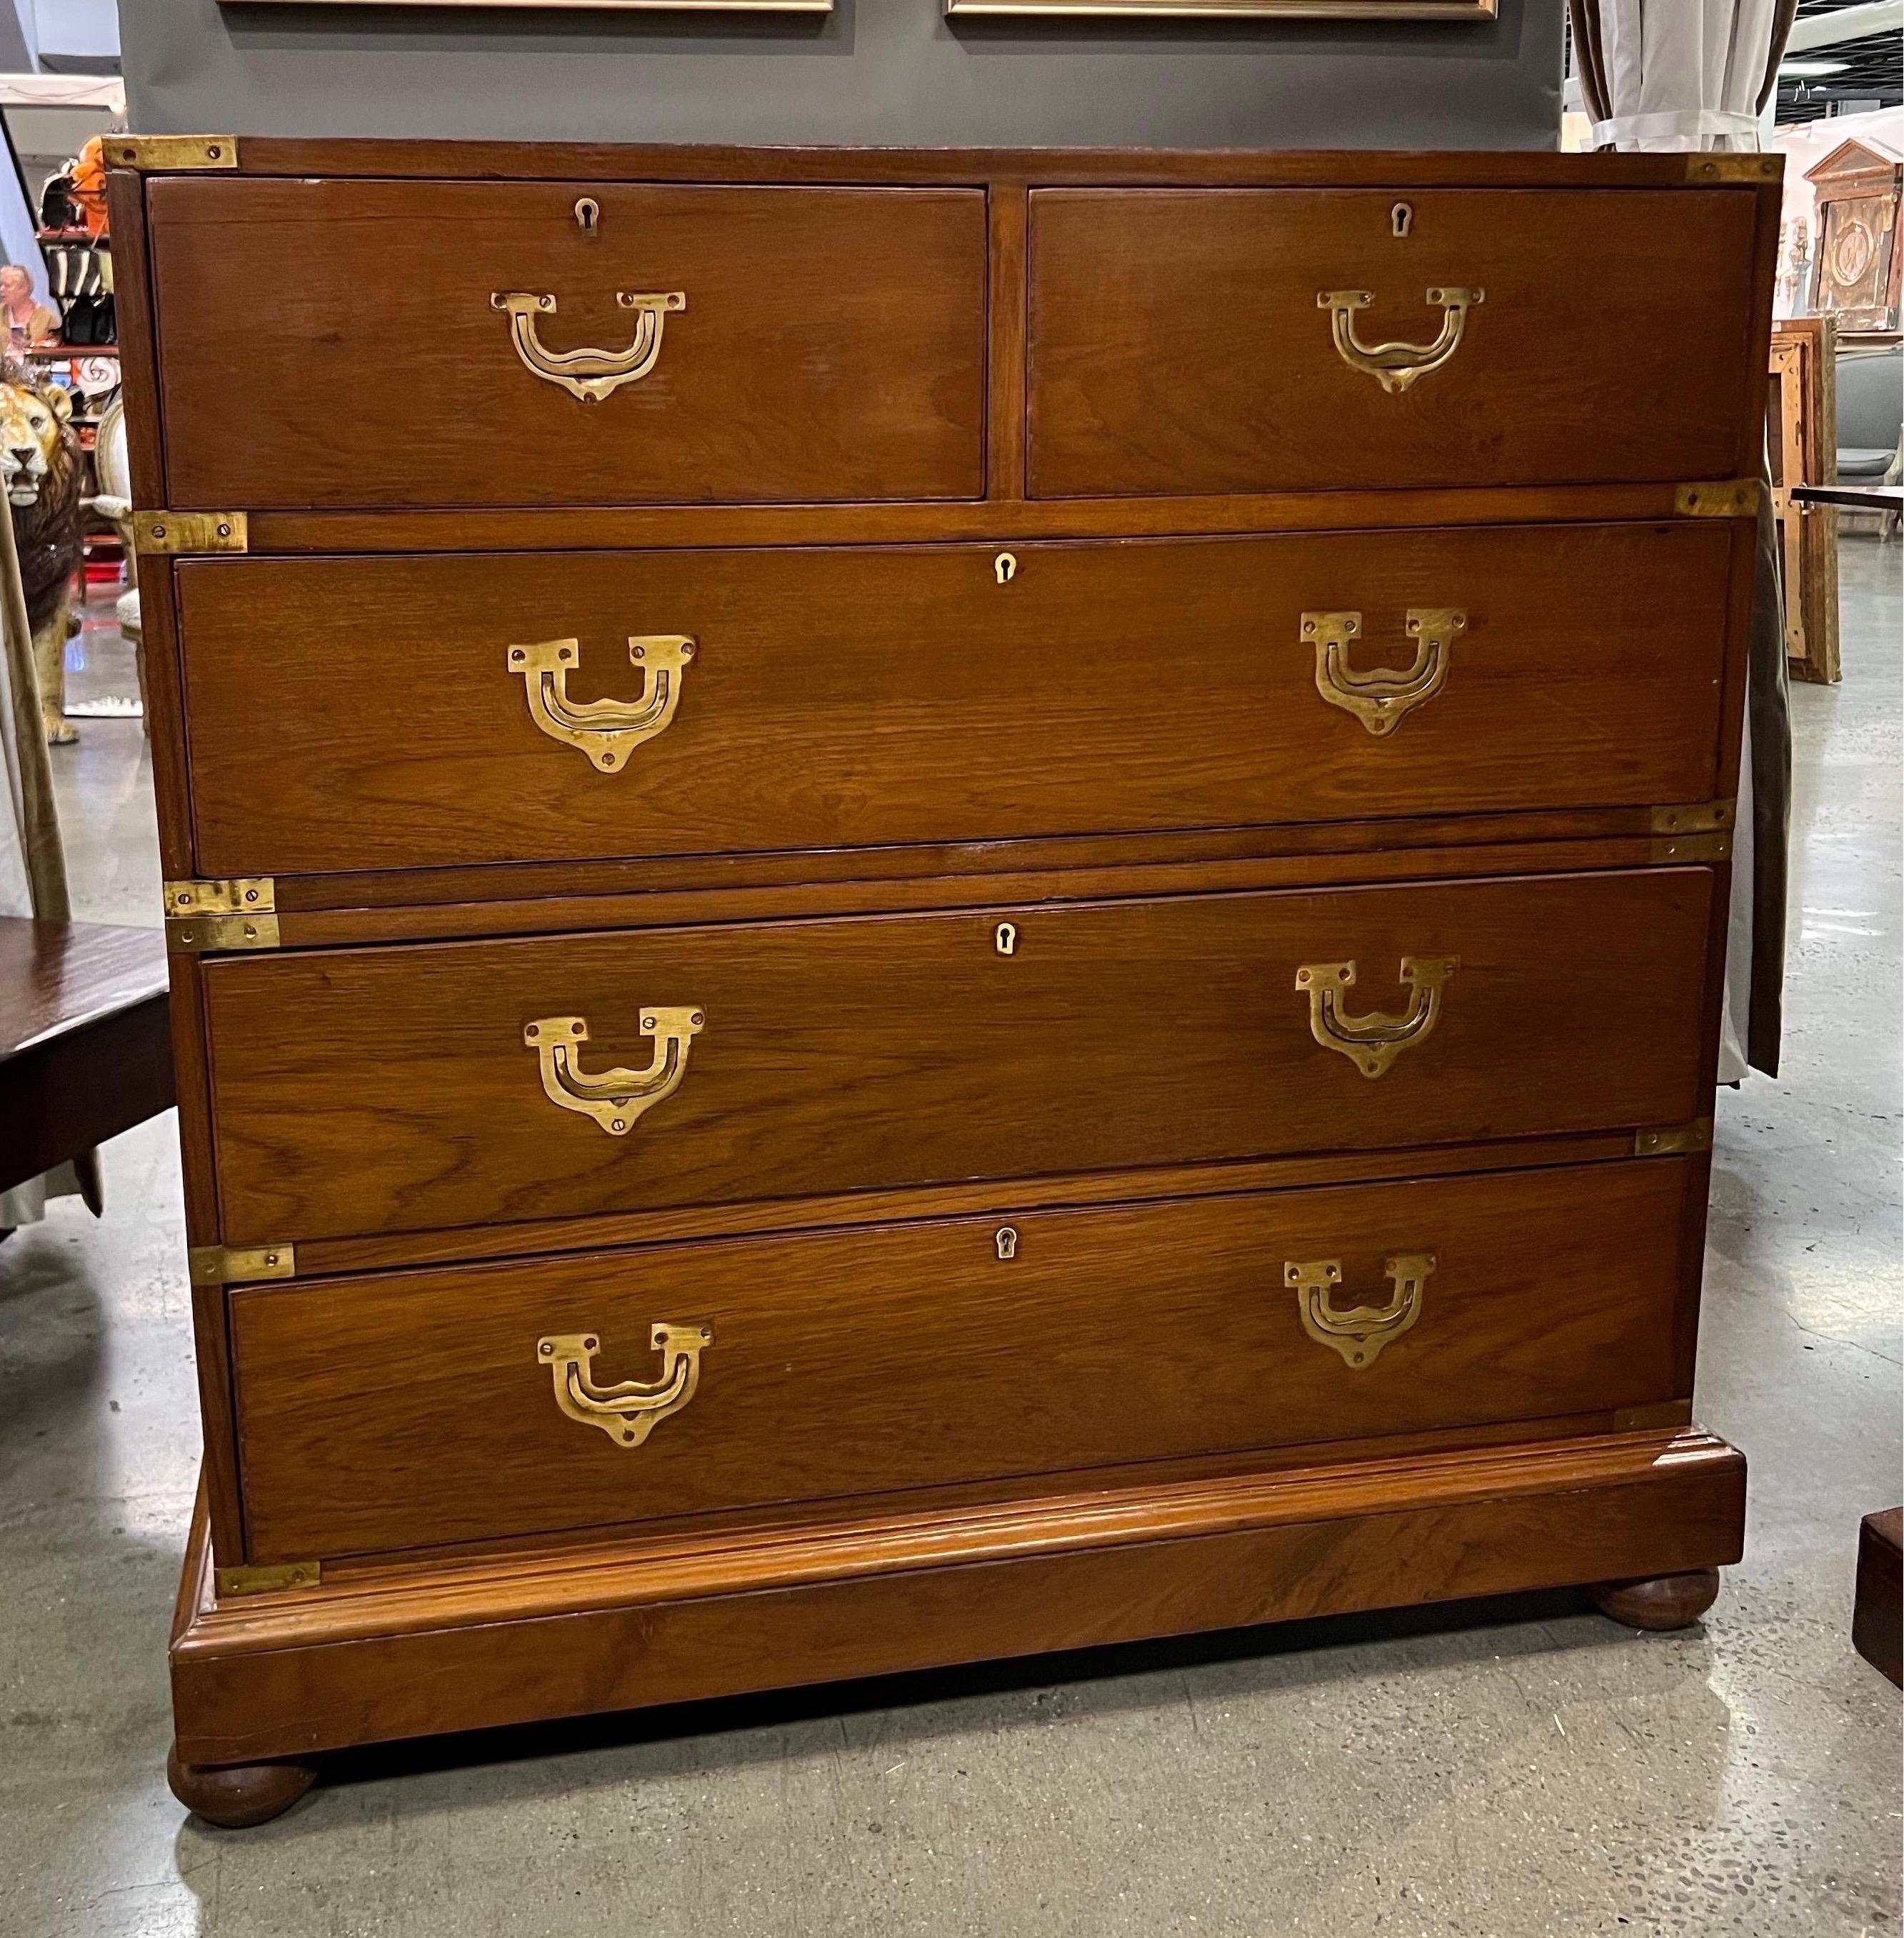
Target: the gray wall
(873, 71)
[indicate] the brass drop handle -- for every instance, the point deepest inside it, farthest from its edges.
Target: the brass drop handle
(590, 375)
(1359, 1333)
(1380, 699)
(615, 1099)
(630, 1409)
(1395, 365)
(607, 730)
(1372, 1041)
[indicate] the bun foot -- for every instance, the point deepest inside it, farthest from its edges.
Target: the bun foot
(236, 1796)
(1665, 1602)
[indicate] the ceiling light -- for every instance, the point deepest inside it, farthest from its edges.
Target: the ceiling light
(1808, 70)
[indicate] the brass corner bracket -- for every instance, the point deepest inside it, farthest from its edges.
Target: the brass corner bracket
(1725, 498)
(1674, 1140)
(236, 1264)
(237, 914)
(1701, 831)
(1734, 167)
(179, 532)
(166, 154)
(1699, 817)
(263, 1580)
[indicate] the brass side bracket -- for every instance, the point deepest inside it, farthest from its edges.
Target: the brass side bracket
(238, 914)
(189, 531)
(1701, 817)
(1673, 1139)
(1699, 832)
(1729, 498)
(1734, 167)
(1691, 848)
(165, 154)
(236, 1264)
(263, 1580)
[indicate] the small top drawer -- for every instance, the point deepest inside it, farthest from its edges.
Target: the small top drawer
(373, 343)
(1211, 340)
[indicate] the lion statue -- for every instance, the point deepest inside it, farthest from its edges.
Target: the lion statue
(39, 461)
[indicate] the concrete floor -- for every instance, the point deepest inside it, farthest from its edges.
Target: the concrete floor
(1524, 1770)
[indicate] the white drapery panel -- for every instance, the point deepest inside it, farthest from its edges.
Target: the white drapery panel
(1686, 75)
(1679, 75)
(1694, 76)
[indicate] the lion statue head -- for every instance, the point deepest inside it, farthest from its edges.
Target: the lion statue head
(34, 434)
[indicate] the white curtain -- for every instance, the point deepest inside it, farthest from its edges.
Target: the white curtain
(1682, 76)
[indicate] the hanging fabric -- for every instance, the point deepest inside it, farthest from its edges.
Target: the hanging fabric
(1696, 76)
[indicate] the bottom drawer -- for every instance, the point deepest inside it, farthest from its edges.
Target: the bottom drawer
(403, 1409)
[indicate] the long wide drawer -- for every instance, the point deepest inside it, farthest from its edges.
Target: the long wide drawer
(1263, 339)
(420, 1086)
(404, 1410)
(359, 713)
(388, 343)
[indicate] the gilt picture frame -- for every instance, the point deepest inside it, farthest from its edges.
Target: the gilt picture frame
(1451, 11)
(580, 6)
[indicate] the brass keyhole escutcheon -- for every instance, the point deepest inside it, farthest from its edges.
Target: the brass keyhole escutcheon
(1401, 218)
(588, 216)
(1007, 938)
(1006, 1239)
(1006, 567)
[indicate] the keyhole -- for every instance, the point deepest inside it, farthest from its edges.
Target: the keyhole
(1401, 218)
(1007, 938)
(1006, 567)
(588, 215)
(1006, 1240)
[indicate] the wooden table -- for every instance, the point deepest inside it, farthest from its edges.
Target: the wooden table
(85, 1050)
(1852, 497)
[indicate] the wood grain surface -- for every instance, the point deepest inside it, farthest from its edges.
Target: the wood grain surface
(1110, 1335)
(389, 1088)
(833, 346)
(85, 1045)
(405, 159)
(429, 1648)
(863, 697)
(1176, 343)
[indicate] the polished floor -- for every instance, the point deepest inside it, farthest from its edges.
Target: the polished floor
(1518, 1771)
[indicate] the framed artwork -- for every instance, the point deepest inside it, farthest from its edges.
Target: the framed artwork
(1294, 9)
(1855, 272)
(591, 6)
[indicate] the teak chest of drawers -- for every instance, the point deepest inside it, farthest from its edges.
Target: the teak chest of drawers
(1006, 935)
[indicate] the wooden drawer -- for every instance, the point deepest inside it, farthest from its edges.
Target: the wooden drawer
(830, 344)
(393, 1089)
(842, 697)
(1178, 343)
(403, 1410)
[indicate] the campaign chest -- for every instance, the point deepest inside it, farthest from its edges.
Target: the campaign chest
(927, 906)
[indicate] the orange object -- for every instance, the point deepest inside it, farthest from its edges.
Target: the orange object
(89, 175)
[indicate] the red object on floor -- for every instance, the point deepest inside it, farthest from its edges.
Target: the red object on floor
(1877, 1623)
